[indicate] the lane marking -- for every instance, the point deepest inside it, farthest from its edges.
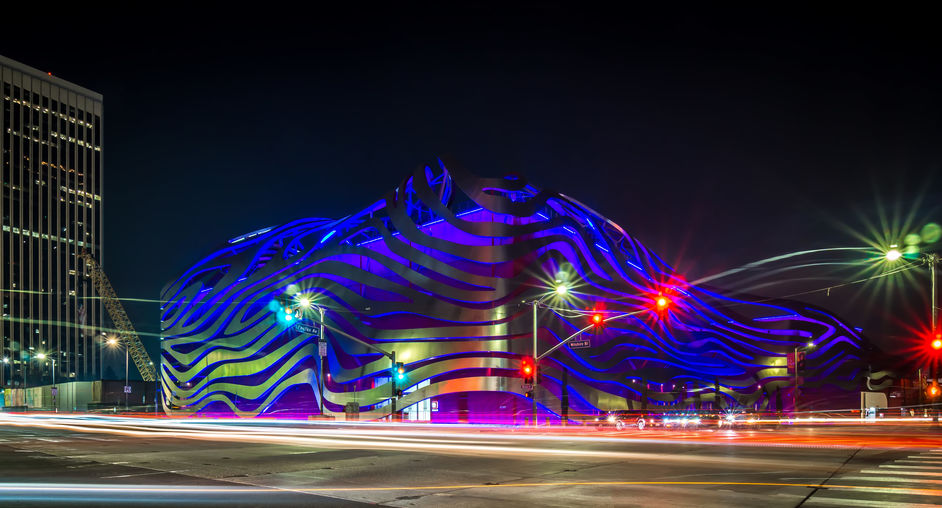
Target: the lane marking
(892, 479)
(913, 473)
(895, 466)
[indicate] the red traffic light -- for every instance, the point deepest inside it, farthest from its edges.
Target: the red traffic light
(661, 302)
(526, 367)
(937, 344)
(933, 390)
(597, 319)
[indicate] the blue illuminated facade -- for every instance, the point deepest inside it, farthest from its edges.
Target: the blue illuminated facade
(443, 272)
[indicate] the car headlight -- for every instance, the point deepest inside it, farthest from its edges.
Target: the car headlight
(730, 418)
(611, 419)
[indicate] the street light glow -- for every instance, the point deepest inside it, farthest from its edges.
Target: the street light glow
(893, 254)
(41, 356)
(112, 341)
(562, 290)
(304, 302)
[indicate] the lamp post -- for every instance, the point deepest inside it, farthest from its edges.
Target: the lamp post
(932, 260)
(561, 290)
(798, 349)
(305, 304)
(114, 343)
(42, 356)
(323, 356)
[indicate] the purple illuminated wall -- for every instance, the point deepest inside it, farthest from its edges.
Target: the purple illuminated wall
(440, 271)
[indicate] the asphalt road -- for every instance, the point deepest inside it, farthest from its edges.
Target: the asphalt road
(115, 462)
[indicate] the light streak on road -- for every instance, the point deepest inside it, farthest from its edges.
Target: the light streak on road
(196, 489)
(581, 442)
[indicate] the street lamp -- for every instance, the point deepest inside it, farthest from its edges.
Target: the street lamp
(893, 254)
(304, 303)
(42, 356)
(113, 342)
(801, 349)
(932, 260)
(561, 289)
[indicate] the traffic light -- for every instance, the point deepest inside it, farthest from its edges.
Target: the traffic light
(597, 319)
(661, 303)
(932, 391)
(527, 370)
(283, 310)
(399, 372)
(936, 341)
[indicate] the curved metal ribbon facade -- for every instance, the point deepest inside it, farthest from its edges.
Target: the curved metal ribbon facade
(439, 271)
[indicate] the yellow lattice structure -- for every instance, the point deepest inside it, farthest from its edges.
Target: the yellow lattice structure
(125, 330)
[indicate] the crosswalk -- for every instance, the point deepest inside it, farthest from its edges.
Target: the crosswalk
(913, 481)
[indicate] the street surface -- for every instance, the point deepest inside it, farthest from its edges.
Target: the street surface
(71, 460)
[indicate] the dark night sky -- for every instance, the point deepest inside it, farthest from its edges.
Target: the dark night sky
(715, 137)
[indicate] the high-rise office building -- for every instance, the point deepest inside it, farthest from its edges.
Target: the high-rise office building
(51, 146)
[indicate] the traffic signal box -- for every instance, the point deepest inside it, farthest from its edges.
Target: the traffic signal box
(528, 373)
(399, 376)
(933, 391)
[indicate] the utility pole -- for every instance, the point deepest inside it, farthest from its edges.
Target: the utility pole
(126, 386)
(933, 260)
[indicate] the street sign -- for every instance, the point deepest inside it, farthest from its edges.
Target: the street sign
(527, 387)
(314, 330)
(580, 344)
(791, 363)
(434, 405)
(127, 389)
(322, 348)
(55, 391)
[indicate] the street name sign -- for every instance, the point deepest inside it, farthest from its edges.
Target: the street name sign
(314, 330)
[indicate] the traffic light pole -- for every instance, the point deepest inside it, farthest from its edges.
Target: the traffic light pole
(796, 383)
(320, 387)
(391, 355)
(395, 391)
(535, 363)
(933, 260)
